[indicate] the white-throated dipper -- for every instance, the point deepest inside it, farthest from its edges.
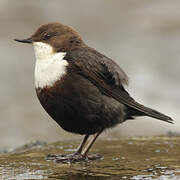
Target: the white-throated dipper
(80, 88)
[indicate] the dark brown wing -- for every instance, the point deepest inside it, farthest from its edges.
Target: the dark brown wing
(108, 77)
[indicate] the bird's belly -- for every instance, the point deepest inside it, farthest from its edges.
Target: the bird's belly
(73, 115)
(83, 109)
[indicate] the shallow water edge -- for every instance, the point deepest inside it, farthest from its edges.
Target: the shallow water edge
(128, 158)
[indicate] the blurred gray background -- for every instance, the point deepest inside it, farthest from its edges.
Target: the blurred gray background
(142, 36)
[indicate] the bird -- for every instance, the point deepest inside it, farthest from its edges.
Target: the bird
(81, 89)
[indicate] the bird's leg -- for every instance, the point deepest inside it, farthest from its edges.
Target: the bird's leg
(89, 145)
(70, 157)
(80, 154)
(81, 145)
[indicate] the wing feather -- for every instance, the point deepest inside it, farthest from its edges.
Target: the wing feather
(109, 78)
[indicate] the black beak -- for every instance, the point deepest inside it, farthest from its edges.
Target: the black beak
(29, 40)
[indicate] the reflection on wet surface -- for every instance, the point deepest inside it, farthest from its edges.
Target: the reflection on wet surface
(135, 159)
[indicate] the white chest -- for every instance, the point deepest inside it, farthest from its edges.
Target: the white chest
(50, 67)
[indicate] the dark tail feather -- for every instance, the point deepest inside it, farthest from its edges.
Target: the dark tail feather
(155, 114)
(145, 111)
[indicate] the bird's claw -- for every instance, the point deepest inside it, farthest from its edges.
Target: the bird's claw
(72, 158)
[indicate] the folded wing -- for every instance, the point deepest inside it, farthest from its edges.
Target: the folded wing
(109, 78)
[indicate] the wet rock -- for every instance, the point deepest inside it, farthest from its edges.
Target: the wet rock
(122, 160)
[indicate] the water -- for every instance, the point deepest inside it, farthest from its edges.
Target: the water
(134, 159)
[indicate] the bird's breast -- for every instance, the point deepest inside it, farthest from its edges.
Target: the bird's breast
(50, 70)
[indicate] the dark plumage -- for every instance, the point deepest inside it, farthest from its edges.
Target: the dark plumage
(91, 96)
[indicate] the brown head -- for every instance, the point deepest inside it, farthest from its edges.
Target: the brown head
(51, 43)
(60, 37)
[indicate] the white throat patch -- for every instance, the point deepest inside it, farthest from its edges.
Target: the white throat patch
(50, 66)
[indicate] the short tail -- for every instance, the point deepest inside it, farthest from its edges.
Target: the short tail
(141, 110)
(155, 114)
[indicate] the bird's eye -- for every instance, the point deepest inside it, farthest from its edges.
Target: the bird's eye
(46, 36)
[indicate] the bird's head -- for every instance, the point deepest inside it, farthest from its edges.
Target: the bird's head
(52, 38)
